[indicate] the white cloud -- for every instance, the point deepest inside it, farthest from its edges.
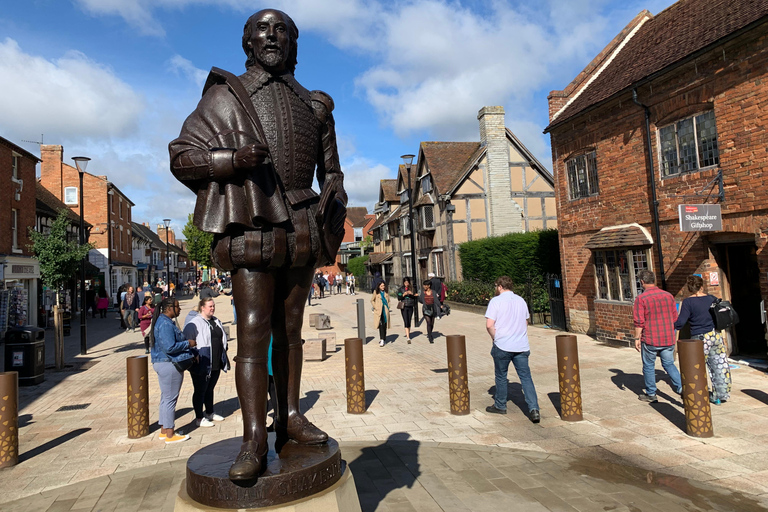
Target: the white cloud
(72, 95)
(182, 66)
(361, 181)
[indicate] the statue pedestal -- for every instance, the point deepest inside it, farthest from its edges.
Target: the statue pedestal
(300, 478)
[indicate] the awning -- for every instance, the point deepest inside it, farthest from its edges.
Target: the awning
(626, 235)
(377, 258)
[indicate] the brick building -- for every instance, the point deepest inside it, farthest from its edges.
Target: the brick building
(356, 227)
(675, 106)
(105, 207)
(462, 191)
(19, 270)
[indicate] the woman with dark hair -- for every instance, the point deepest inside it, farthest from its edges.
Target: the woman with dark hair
(696, 311)
(406, 295)
(171, 356)
(102, 303)
(380, 308)
(431, 306)
(146, 311)
(211, 340)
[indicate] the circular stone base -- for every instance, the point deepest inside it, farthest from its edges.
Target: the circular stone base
(297, 472)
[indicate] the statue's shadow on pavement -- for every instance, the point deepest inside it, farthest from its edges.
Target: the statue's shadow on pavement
(761, 396)
(53, 443)
(636, 384)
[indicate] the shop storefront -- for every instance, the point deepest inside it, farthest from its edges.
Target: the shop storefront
(19, 278)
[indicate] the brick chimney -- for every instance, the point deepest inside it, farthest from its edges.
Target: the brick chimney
(52, 157)
(505, 214)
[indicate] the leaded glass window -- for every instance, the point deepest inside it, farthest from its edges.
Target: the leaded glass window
(689, 144)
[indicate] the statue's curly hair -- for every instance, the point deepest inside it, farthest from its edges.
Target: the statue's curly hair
(293, 34)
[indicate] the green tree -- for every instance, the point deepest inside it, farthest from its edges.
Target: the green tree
(198, 243)
(356, 266)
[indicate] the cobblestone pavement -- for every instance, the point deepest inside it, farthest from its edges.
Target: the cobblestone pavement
(625, 455)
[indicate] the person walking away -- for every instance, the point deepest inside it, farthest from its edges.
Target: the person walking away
(103, 302)
(146, 311)
(380, 308)
(406, 295)
(654, 315)
(437, 287)
(430, 306)
(695, 310)
(352, 283)
(130, 309)
(211, 341)
(376, 280)
(208, 292)
(171, 356)
(506, 321)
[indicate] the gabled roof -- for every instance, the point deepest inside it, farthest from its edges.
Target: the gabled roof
(356, 216)
(543, 171)
(678, 33)
(48, 204)
(446, 161)
(149, 234)
(19, 150)
(388, 190)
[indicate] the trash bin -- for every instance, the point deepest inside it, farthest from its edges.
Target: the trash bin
(25, 353)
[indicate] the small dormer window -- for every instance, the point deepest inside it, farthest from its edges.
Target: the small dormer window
(426, 183)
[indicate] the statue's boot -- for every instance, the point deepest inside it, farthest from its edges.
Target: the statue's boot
(252, 382)
(290, 424)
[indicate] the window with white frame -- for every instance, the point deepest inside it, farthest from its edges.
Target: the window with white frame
(404, 226)
(70, 195)
(437, 263)
(616, 272)
(407, 265)
(358, 234)
(16, 160)
(15, 228)
(689, 144)
(110, 198)
(582, 175)
(120, 206)
(121, 239)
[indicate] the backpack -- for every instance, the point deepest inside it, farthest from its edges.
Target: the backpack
(723, 314)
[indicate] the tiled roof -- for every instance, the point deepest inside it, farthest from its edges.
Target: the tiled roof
(446, 161)
(356, 216)
(683, 29)
(49, 204)
(630, 235)
(425, 199)
(389, 190)
(377, 258)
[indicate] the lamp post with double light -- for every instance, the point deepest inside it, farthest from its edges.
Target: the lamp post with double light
(408, 161)
(82, 162)
(167, 223)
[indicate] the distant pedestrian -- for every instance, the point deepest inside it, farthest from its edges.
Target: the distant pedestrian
(376, 280)
(339, 282)
(407, 296)
(146, 311)
(352, 283)
(430, 306)
(654, 315)
(130, 309)
(506, 321)
(102, 303)
(695, 310)
(381, 314)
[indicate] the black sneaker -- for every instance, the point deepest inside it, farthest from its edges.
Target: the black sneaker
(651, 399)
(534, 415)
(493, 410)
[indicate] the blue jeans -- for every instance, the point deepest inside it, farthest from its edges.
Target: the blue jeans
(501, 360)
(667, 355)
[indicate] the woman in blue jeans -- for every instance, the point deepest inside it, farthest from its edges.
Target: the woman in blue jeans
(171, 355)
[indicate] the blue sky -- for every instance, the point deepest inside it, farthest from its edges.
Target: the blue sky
(114, 79)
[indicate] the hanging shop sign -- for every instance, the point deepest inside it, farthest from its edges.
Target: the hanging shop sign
(700, 217)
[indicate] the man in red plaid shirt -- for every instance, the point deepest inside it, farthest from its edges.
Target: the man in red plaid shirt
(655, 313)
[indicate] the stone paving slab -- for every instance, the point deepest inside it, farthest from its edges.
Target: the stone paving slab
(407, 395)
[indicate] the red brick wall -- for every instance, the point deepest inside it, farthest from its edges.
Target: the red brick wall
(730, 80)
(25, 206)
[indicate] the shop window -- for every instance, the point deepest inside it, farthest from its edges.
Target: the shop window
(582, 175)
(70, 195)
(689, 144)
(616, 272)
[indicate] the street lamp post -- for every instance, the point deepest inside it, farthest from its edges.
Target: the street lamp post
(82, 162)
(167, 223)
(408, 160)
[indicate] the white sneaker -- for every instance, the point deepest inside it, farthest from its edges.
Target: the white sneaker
(205, 422)
(214, 417)
(381, 343)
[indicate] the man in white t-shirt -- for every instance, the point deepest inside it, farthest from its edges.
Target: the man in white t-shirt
(506, 320)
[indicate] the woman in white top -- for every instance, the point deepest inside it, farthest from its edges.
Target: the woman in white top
(211, 340)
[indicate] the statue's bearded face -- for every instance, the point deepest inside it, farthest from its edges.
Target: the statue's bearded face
(270, 41)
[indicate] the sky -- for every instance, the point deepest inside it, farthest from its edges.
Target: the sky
(114, 79)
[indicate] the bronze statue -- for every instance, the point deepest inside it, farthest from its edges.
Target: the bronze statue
(250, 152)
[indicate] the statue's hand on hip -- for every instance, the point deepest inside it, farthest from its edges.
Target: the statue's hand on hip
(250, 156)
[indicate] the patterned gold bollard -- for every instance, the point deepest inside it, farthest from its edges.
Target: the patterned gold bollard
(698, 415)
(568, 375)
(458, 386)
(9, 419)
(138, 396)
(353, 357)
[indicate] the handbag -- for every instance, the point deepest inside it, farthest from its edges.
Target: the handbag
(429, 310)
(723, 314)
(400, 304)
(184, 365)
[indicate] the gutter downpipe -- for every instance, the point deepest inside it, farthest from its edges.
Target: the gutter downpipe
(654, 201)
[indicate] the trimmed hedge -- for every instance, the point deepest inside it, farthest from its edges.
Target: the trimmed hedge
(479, 293)
(517, 255)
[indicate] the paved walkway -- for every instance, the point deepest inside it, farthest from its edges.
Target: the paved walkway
(83, 458)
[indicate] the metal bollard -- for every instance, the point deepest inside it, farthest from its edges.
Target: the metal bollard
(568, 375)
(353, 357)
(698, 414)
(138, 396)
(361, 319)
(9, 419)
(458, 386)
